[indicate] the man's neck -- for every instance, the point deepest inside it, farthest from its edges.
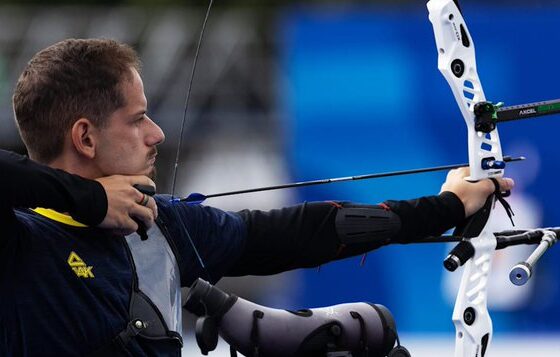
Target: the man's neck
(76, 166)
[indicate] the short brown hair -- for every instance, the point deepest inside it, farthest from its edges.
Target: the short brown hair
(66, 81)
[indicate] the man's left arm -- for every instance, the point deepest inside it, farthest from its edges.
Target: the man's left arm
(315, 233)
(312, 234)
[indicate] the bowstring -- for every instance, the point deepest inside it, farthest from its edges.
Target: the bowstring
(178, 153)
(187, 99)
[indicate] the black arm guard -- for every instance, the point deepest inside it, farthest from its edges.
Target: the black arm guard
(361, 224)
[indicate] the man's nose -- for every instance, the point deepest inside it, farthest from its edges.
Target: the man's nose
(156, 135)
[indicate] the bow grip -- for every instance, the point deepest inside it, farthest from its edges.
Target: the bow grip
(472, 228)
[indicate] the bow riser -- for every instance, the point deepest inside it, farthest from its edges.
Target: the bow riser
(457, 63)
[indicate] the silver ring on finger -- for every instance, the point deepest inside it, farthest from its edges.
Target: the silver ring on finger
(145, 200)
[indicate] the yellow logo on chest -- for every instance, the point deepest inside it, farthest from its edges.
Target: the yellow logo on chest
(79, 266)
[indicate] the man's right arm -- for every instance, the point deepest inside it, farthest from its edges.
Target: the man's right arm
(26, 183)
(108, 202)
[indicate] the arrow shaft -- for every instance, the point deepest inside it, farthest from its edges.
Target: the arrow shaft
(347, 178)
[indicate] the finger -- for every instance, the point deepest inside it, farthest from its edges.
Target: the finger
(142, 194)
(145, 200)
(461, 172)
(488, 185)
(139, 197)
(506, 183)
(150, 203)
(450, 174)
(143, 214)
(142, 180)
(146, 189)
(153, 206)
(127, 226)
(464, 171)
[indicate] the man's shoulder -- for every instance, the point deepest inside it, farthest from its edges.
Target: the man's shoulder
(168, 202)
(51, 231)
(46, 220)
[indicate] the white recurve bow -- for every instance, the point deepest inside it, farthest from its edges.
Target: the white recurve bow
(457, 63)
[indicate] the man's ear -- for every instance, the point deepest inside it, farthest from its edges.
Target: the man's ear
(83, 137)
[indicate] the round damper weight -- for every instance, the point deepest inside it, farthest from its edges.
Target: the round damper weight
(458, 68)
(469, 316)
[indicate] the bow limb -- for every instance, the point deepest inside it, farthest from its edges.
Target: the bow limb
(457, 63)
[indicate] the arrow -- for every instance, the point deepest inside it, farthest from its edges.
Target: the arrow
(197, 198)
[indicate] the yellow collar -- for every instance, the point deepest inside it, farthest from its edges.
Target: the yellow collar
(57, 216)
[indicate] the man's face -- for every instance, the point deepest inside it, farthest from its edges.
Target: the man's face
(127, 144)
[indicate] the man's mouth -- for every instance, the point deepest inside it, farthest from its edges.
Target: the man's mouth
(152, 158)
